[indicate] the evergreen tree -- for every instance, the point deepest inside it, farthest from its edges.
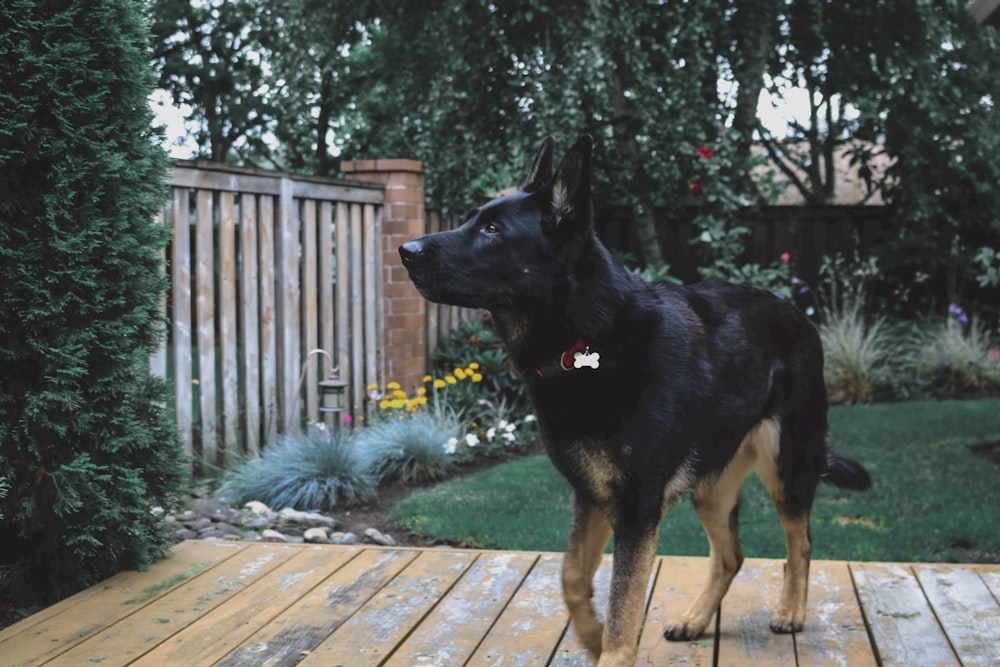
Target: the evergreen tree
(85, 443)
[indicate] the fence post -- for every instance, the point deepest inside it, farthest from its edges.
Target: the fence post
(403, 218)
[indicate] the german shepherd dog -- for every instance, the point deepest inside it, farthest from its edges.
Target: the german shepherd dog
(643, 393)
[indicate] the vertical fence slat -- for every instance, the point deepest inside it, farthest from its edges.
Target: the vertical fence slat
(325, 279)
(268, 323)
(373, 291)
(205, 323)
(357, 302)
(287, 308)
(228, 355)
(250, 323)
(342, 315)
(310, 317)
(180, 276)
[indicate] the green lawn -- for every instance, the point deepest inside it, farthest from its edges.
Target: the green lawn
(932, 500)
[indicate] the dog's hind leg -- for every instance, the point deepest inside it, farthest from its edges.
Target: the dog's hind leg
(717, 504)
(589, 534)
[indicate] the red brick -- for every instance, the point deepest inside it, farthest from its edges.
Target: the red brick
(397, 164)
(355, 166)
(397, 290)
(402, 228)
(394, 195)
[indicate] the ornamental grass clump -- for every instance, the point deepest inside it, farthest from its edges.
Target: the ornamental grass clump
(858, 352)
(410, 450)
(317, 470)
(952, 359)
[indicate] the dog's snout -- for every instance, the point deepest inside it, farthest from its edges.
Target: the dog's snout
(411, 251)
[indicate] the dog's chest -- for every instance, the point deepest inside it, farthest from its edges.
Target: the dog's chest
(592, 465)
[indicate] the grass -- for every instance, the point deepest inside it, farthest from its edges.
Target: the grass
(932, 501)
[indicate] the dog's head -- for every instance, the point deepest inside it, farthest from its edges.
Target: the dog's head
(515, 248)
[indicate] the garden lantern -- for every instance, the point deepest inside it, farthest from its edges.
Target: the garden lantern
(332, 396)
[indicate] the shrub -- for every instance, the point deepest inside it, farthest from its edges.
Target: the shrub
(319, 469)
(952, 360)
(85, 443)
(858, 352)
(410, 450)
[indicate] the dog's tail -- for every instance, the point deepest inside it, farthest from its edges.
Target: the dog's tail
(846, 473)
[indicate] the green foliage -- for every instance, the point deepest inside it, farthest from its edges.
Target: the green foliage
(906, 446)
(316, 470)
(475, 341)
(85, 443)
(412, 449)
(859, 353)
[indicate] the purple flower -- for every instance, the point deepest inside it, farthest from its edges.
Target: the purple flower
(954, 309)
(964, 319)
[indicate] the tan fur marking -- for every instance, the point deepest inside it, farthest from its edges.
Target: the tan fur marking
(626, 606)
(589, 534)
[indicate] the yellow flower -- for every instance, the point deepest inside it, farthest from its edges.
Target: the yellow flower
(419, 400)
(392, 385)
(477, 377)
(372, 387)
(399, 394)
(459, 373)
(397, 403)
(439, 384)
(384, 404)
(450, 379)
(474, 366)
(426, 379)
(422, 391)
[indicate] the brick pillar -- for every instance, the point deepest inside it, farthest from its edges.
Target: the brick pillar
(404, 337)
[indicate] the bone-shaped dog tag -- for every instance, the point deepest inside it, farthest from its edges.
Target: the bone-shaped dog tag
(587, 358)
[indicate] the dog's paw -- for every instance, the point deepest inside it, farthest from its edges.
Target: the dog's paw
(683, 631)
(786, 622)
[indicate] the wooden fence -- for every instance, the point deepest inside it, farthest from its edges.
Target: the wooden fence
(266, 269)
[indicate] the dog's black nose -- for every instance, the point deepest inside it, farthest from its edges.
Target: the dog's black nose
(411, 250)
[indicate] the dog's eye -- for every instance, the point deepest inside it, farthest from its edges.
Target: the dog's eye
(490, 228)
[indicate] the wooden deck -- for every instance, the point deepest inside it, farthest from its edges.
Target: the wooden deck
(237, 603)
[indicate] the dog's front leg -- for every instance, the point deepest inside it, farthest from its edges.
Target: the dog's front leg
(635, 551)
(588, 536)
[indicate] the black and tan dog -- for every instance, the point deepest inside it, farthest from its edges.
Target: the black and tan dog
(644, 393)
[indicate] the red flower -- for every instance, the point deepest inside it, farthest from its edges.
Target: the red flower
(696, 187)
(785, 257)
(706, 152)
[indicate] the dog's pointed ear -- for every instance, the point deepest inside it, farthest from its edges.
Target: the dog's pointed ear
(541, 168)
(571, 187)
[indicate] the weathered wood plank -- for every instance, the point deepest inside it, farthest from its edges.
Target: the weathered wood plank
(286, 279)
(453, 630)
(355, 263)
(369, 636)
(310, 314)
(373, 342)
(205, 324)
(224, 628)
(228, 326)
(326, 296)
(209, 179)
(529, 629)
(342, 311)
(63, 626)
(268, 320)
(679, 581)
(745, 636)
(250, 323)
(966, 609)
(902, 622)
(302, 626)
(143, 630)
(180, 276)
(835, 634)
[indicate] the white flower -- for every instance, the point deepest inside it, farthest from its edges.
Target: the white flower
(471, 439)
(509, 428)
(530, 418)
(810, 311)
(509, 437)
(490, 434)
(449, 447)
